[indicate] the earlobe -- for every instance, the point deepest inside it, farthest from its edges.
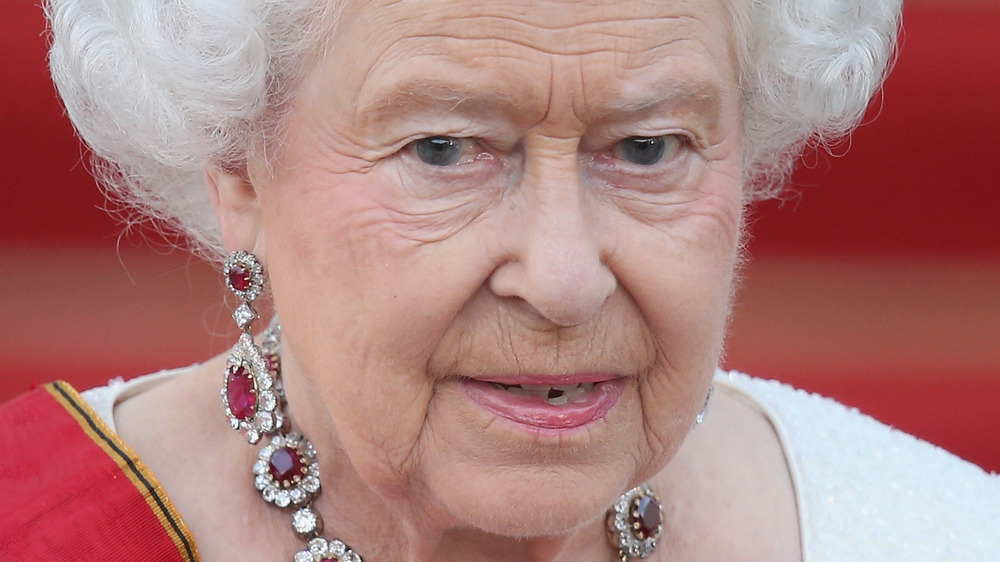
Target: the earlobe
(237, 206)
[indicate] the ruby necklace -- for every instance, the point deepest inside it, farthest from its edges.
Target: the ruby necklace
(286, 472)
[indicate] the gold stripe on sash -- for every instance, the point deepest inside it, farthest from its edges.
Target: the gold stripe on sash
(126, 459)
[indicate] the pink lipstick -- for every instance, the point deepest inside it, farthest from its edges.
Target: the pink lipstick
(549, 403)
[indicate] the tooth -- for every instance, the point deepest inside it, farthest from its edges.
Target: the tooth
(519, 391)
(536, 390)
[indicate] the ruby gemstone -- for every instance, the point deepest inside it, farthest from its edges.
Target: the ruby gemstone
(239, 277)
(286, 466)
(646, 517)
(241, 393)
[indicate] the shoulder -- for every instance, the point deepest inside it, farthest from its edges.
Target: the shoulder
(103, 399)
(869, 492)
(74, 490)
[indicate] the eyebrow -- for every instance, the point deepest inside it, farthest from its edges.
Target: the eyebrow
(672, 94)
(667, 95)
(425, 93)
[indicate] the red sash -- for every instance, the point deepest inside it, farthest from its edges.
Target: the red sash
(70, 489)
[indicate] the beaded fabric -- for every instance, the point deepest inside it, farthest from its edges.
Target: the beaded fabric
(867, 492)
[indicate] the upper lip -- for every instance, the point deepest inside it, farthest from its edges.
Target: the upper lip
(550, 380)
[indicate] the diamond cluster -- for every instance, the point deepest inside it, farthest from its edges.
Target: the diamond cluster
(262, 367)
(285, 484)
(323, 550)
(286, 471)
(635, 522)
(244, 275)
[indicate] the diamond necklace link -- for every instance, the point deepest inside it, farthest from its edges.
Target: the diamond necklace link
(287, 474)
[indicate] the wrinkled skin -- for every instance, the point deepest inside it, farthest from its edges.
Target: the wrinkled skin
(540, 249)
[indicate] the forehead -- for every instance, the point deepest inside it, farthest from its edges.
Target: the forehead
(594, 55)
(562, 23)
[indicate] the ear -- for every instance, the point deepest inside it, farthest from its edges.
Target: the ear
(237, 206)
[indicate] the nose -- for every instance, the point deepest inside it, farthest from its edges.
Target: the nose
(555, 249)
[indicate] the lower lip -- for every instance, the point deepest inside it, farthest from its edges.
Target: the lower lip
(535, 413)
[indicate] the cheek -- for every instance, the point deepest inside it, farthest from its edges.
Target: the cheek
(337, 281)
(681, 277)
(363, 307)
(315, 247)
(680, 270)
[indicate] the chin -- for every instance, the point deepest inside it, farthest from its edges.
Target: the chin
(497, 476)
(530, 502)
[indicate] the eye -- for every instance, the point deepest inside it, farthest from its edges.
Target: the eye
(441, 151)
(646, 151)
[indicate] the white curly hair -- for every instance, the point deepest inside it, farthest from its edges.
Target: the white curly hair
(160, 88)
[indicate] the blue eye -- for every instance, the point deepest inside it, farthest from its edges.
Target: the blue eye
(439, 151)
(646, 151)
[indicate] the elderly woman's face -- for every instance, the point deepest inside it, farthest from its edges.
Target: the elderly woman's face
(478, 194)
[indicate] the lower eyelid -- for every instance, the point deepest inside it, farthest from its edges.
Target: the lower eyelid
(622, 173)
(479, 165)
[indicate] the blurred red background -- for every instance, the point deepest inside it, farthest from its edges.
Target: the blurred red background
(876, 280)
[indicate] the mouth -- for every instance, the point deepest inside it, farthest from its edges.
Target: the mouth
(554, 403)
(553, 395)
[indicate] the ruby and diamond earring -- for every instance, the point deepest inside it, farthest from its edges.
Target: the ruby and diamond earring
(252, 393)
(635, 523)
(286, 471)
